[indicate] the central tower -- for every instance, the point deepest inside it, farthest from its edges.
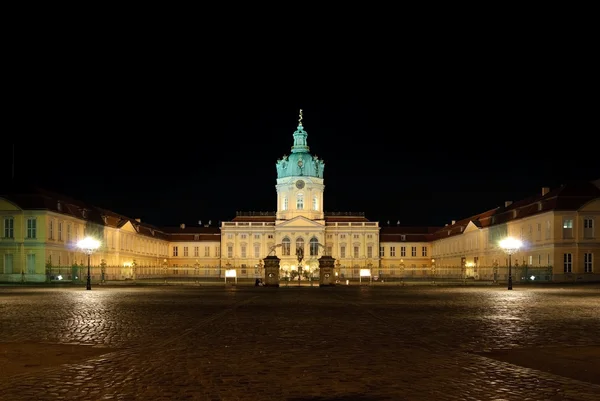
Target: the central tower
(300, 181)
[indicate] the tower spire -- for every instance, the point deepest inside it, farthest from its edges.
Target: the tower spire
(300, 144)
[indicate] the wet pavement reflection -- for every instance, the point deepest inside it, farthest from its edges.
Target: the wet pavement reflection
(261, 343)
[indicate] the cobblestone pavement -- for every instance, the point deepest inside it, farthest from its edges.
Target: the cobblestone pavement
(289, 343)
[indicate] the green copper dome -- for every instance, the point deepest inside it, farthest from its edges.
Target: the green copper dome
(300, 162)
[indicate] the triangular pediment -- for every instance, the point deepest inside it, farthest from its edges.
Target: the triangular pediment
(592, 206)
(301, 222)
(5, 204)
(128, 227)
(470, 227)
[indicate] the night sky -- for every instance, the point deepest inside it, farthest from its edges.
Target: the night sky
(421, 150)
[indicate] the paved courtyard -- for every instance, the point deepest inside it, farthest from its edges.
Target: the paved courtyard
(300, 343)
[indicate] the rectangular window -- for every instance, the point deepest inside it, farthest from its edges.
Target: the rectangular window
(567, 228)
(413, 251)
(539, 231)
(69, 234)
(257, 251)
(286, 248)
(392, 251)
(370, 252)
(356, 236)
(207, 251)
(356, 251)
(31, 228)
(50, 229)
(60, 232)
(185, 251)
(31, 263)
(243, 251)
(218, 251)
(196, 251)
(313, 247)
(270, 236)
(175, 251)
(548, 229)
(587, 262)
(424, 251)
(9, 227)
(381, 251)
(402, 251)
(342, 251)
(588, 228)
(256, 236)
(8, 263)
(230, 251)
(568, 263)
(329, 250)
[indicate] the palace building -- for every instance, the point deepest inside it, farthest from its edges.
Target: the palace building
(557, 228)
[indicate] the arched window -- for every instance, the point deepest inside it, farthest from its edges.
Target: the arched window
(299, 245)
(315, 203)
(285, 203)
(300, 201)
(314, 247)
(285, 246)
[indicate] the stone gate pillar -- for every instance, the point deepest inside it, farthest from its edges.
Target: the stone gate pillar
(326, 271)
(271, 271)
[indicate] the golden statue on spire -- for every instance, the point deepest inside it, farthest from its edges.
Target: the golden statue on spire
(300, 118)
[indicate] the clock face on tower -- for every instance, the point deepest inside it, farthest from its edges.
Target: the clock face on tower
(299, 184)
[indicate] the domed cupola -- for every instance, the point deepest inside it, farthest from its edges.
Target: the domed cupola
(300, 162)
(300, 181)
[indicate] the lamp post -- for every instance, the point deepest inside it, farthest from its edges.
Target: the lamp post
(510, 246)
(88, 245)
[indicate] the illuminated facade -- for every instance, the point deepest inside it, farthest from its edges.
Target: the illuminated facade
(558, 228)
(300, 225)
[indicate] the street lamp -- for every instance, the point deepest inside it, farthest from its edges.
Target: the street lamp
(510, 246)
(88, 245)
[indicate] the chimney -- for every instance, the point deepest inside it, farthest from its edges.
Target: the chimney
(507, 203)
(545, 190)
(453, 222)
(138, 220)
(182, 226)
